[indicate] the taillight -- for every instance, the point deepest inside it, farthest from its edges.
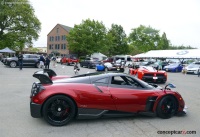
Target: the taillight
(36, 88)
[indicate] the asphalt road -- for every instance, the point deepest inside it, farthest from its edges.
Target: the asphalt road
(15, 119)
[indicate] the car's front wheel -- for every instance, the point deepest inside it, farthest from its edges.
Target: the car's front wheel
(13, 64)
(167, 107)
(59, 110)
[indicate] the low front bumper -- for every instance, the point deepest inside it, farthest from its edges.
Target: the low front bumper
(35, 110)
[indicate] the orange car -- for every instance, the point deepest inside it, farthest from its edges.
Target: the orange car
(149, 74)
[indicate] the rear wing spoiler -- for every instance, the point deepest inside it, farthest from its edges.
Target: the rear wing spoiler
(45, 79)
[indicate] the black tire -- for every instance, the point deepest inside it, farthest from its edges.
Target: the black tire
(122, 70)
(167, 107)
(106, 69)
(37, 65)
(59, 110)
(13, 64)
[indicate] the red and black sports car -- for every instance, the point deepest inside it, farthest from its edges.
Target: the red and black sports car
(100, 95)
(149, 74)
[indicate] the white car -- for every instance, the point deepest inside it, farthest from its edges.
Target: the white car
(193, 68)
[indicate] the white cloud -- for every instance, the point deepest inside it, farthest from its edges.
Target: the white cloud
(179, 19)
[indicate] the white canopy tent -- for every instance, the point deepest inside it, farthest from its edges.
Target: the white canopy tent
(175, 54)
(7, 50)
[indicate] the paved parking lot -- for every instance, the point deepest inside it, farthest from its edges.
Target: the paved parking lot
(15, 119)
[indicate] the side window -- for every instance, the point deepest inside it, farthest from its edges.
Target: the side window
(124, 81)
(128, 59)
(101, 82)
(117, 80)
(26, 56)
(87, 59)
(32, 56)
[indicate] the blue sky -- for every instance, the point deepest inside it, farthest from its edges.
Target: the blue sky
(179, 19)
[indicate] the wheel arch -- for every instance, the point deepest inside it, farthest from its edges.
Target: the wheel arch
(160, 98)
(76, 110)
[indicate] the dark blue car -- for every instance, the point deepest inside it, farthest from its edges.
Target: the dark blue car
(175, 67)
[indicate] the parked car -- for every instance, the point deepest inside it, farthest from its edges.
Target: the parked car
(148, 74)
(69, 61)
(175, 67)
(28, 60)
(156, 64)
(90, 62)
(110, 67)
(100, 95)
(193, 68)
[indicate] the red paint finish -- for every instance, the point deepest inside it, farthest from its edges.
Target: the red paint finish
(105, 98)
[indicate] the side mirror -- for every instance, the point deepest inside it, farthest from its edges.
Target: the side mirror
(170, 85)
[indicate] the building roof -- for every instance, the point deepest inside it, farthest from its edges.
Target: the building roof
(63, 26)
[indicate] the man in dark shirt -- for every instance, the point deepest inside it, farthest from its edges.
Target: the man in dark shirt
(20, 60)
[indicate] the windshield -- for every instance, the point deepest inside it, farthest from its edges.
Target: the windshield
(173, 65)
(193, 65)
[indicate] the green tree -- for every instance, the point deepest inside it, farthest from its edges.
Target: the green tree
(87, 38)
(164, 42)
(181, 47)
(18, 24)
(117, 40)
(145, 38)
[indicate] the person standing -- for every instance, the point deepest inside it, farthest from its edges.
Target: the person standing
(42, 60)
(54, 61)
(20, 60)
(47, 62)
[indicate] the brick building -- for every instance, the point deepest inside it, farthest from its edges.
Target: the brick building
(56, 40)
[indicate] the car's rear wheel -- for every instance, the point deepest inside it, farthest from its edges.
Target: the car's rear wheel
(59, 110)
(37, 65)
(167, 107)
(13, 64)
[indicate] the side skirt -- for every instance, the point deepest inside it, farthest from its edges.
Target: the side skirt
(87, 113)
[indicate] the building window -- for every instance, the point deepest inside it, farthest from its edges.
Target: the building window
(64, 46)
(51, 46)
(58, 38)
(57, 30)
(52, 38)
(61, 46)
(58, 46)
(65, 37)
